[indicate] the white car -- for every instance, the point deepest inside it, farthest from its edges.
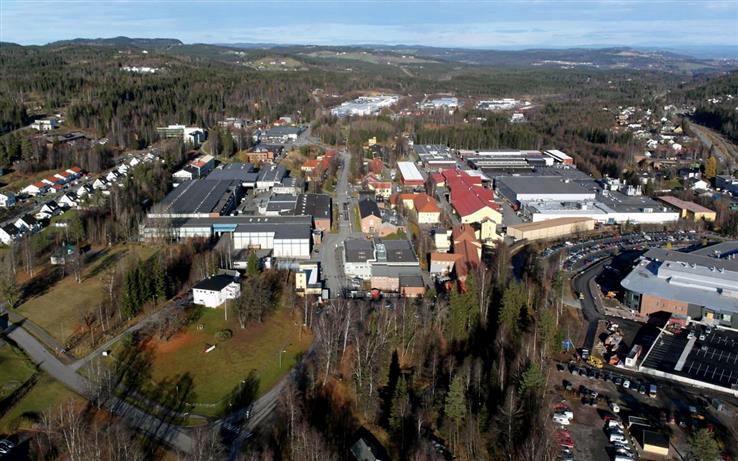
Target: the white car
(614, 407)
(626, 383)
(561, 419)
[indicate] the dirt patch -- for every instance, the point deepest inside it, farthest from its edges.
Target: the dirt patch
(176, 343)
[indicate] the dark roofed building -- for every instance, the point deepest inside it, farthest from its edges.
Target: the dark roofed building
(318, 206)
(370, 216)
(198, 198)
(242, 172)
(214, 291)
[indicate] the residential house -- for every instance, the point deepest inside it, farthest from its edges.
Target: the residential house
(45, 124)
(100, 183)
(216, 290)
(49, 209)
(37, 188)
(697, 184)
(9, 233)
(7, 199)
(27, 223)
(69, 200)
(84, 190)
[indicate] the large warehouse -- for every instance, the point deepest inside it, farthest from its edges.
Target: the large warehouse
(522, 189)
(550, 229)
(199, 198)
(287, 236)
(409, 174)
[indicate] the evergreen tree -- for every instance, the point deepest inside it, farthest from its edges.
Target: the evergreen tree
(455, 407)
(400, 406)
(513, 301)
(252, 265)
(532, 380)
(703, 446)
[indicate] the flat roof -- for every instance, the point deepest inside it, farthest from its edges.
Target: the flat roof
(542, 185)
(398, 251)
(713, 361)
(409, 171)
(684, 205)
(549, 223)
(233, 171)
(196, 196)
(358, 250)
(315, 205)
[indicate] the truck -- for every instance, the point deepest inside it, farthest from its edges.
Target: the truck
(652, 390)
(595, 362)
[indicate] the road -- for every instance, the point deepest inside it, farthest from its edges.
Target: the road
(585, 283)
(168, 433)
(330, 251)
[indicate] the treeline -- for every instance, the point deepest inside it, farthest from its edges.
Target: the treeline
(720, 117)
(34, 153)
(465, 370)
(13, 115)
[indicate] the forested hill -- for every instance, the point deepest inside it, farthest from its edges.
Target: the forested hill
(126, 42)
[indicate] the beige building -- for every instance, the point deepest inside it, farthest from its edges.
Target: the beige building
(550, 229)
(689, 210)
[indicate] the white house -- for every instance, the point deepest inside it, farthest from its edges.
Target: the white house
(698, 184)
(215, 290)
(49, 209)
(9, 234)
(84, 190)
(7, 199)
(37, 188)
(100, 183)
(112, 176)
(27, 223)
(45, 124)
(69, 200)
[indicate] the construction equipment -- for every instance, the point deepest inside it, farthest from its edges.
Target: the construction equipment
(595, 362)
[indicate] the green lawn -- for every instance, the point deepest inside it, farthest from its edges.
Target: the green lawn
(399, 235)
(45, 394)
(217, 373)
(59, 310)
(356, 218)
(15, 369)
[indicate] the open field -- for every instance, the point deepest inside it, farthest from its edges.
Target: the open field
(215, 374)
(45, 394)
(59, 309)
(15, 369)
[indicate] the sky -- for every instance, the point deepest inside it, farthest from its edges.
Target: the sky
(510, 24)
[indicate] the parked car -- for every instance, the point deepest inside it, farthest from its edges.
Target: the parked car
(614, 407)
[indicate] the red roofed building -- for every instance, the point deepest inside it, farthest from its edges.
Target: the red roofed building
(473, 202)
(308, 166)
(376, 165)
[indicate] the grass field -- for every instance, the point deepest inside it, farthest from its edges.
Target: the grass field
(59, 310)
(217, 373)
(15, 369)
(45, 394)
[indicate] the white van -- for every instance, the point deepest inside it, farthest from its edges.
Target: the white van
(561, 419)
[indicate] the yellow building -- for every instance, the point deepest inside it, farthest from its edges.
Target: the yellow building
(689, 210)
(488, 232)
(307, 280)
(550, 229)
(483, 214)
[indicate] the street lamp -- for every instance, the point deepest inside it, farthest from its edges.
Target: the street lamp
(280, 357)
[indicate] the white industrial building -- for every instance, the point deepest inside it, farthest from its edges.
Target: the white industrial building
(365, 105)
(523, 189)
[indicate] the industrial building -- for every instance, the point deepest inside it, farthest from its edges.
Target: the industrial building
(241, 172)
(523, 189)
(689, 210)
(199, 198)
(365, 105)
(697, 285)
(560, 157)
(281, 134)
(409, 174)
(550, 229)
(286, 236)
(360, 255)
(188, 134)
(435, 157)
(496, 161)
(471, 201)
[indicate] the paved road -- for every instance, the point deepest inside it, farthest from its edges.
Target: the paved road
(585, 283)
(330, 256)
(168, 433)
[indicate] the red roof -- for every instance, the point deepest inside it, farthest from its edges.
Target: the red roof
(467, 193)
(76, 169)
(376, 165)
(424, 203)
(64, 174)
(310, 164)
(40, 184)
(52, 179)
